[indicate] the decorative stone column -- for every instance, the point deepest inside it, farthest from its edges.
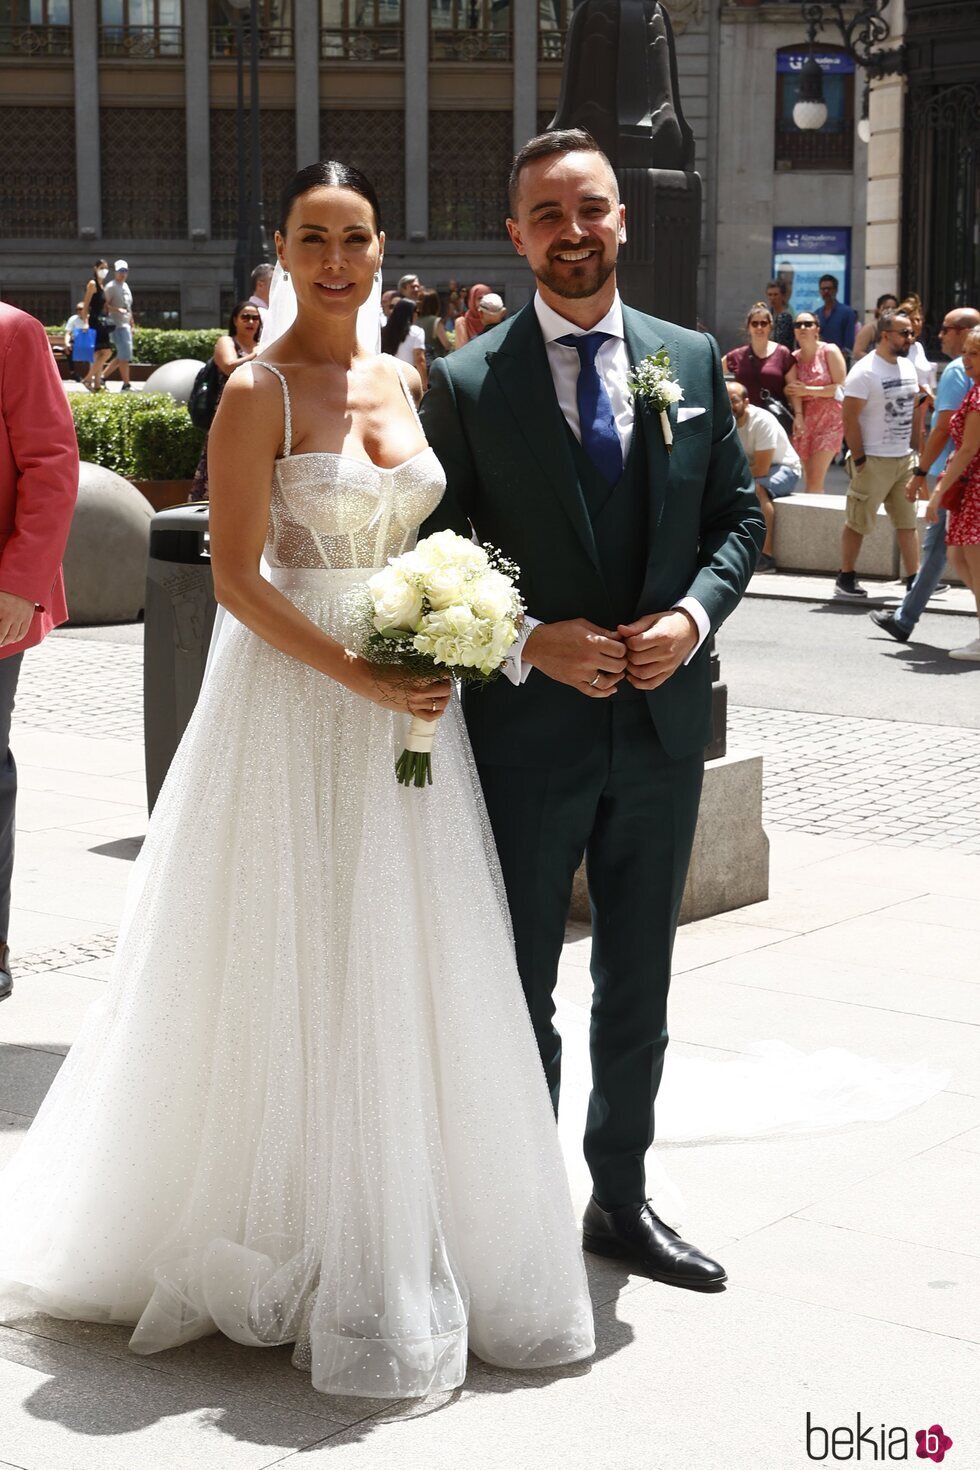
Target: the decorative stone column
(85, 45)
(416, 19)
(525, 43)
(883, 239)
(307, 46)
(197, 112)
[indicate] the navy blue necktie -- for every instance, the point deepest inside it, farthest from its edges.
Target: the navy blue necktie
(597, 422)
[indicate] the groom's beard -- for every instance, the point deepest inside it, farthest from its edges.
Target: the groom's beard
(575, 282)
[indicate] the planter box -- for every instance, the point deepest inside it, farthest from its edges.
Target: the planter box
(164, 493)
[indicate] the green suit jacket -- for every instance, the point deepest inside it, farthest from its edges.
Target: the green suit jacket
(492, 416)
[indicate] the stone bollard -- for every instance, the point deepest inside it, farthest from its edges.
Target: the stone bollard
(105, 559)
(175, 378)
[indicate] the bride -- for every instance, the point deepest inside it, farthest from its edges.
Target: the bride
(310, 1108)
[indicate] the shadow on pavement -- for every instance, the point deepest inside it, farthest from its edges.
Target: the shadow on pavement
(923, 658)
(127, 848)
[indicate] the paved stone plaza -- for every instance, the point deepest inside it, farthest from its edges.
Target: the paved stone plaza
(852, 1255)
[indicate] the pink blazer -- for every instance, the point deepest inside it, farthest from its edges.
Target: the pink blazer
(38, 473)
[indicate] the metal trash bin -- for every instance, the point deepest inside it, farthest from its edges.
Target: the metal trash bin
(179, 616)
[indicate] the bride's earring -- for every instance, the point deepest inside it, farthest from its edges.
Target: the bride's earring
(285, 275)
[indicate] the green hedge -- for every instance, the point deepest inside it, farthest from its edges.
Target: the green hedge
(157, 345)
(142, 436)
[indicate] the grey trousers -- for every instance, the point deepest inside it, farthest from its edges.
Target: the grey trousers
(9, 673)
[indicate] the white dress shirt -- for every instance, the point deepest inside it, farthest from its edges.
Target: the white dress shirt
(613, 364)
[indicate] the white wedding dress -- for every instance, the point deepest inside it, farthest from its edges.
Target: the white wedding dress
(310, 1108)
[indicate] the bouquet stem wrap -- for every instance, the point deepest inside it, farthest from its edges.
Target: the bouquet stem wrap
(414, 766)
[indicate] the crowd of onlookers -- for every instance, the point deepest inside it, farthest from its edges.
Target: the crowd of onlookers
(421, 324)
(809, 386)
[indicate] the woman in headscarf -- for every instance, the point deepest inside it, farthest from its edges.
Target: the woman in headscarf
(472, 324)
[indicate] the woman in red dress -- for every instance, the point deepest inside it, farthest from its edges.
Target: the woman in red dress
(958, 490)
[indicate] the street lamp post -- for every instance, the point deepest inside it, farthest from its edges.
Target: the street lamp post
(251, 247)
(862, 33)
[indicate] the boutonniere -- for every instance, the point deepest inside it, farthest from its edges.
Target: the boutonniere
(653, 383)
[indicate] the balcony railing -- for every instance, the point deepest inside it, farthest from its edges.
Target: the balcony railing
(470, 45)
(35, 40)
(823, 151)
(356, 43)
(275, 42)
(141, 43)
(551, 46)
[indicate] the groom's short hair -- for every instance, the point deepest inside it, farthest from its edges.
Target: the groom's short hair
(559, 140)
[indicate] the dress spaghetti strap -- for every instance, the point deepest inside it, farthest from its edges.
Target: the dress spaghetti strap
(407, 391)
(287, 436)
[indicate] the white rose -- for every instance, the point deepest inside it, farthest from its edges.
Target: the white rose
(397, 600)
(444, 586)
(491, 596)
(671, 392)
(446, 548)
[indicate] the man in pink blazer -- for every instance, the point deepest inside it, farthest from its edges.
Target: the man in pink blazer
(38, 488)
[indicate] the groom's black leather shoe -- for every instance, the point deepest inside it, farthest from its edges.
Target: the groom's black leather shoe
(6, 979)
(636, 1235)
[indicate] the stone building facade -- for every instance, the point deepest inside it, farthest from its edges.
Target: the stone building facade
(119, 125)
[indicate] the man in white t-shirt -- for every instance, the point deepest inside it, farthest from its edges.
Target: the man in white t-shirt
(774, 463)
(880, 393)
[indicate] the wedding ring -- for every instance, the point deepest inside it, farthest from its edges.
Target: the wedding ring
(594, 682)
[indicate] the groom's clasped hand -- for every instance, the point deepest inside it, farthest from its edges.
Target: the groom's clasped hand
(595, 660)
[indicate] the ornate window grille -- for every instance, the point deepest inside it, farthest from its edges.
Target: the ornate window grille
(38, 191)
(373, 141)
(361, 30)
(553, 18)
(35, 28)
(941, 197)
(470, 155)
(156, 307)
(275, 31)
(829, 149)
(50, 307)
(470, 30)
(135, 30)
(278, 146)
(144, 197)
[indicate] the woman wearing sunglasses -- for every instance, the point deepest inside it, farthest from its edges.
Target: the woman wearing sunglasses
(239, 344)
(761, 366)
(812, 387)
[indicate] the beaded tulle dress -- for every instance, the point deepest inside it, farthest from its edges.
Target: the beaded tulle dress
(310, 1108)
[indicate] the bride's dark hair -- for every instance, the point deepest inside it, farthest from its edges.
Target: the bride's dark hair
(328, 174)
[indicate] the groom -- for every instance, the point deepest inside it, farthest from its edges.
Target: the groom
(630, 557)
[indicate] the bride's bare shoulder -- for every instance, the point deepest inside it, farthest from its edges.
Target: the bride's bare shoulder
(252, 405)
(396, 372)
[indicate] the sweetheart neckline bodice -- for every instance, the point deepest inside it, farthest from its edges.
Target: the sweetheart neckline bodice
(367, 464)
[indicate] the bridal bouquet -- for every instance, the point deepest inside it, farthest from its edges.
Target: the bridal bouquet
(448, 607)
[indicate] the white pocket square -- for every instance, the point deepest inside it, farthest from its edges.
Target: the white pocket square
(683, 414)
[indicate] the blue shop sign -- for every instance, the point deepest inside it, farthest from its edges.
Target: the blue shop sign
(806, 241)
(834, 63)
